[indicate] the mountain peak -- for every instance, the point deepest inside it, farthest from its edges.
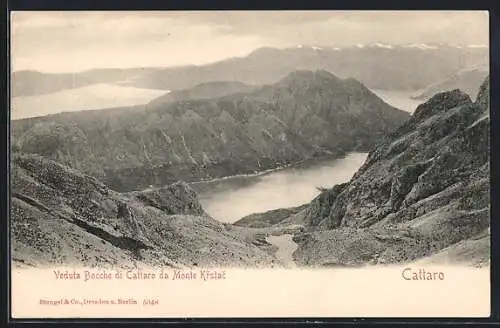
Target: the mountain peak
(441, 102)
(305, 75)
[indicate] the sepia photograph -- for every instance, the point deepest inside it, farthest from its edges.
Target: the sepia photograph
(320, 160)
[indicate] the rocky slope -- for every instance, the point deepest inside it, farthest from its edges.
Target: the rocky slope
(304, 115)
(422, 194)
(62, 217)
(467, 80)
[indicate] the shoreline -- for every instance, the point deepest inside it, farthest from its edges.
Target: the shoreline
(209, 190)
(311, 161)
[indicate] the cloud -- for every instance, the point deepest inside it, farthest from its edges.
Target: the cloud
(79, 40)
(351, 27)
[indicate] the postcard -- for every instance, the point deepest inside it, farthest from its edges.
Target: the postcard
(239, 164)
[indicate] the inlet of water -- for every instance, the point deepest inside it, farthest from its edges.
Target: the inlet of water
(228, 200)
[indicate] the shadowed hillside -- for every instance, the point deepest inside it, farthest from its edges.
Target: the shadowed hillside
(304, 115)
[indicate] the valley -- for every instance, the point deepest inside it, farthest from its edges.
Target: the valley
(188, 165)
(407, 214)
(237, 174)
(230, 199)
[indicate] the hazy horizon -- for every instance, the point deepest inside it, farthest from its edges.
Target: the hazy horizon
(78, 41)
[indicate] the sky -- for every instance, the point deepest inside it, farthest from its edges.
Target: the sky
(76, 41)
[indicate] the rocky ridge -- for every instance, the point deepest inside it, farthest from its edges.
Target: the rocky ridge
(60, 216)
(423, 192)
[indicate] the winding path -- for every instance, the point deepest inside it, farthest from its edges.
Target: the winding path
(286, 247)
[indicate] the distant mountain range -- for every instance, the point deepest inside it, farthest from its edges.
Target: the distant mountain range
(378, 66)
(90, 97)
(305, 114)
(31, 83)
(467, 80)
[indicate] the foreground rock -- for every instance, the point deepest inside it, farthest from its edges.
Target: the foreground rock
(62, 217)
(422, 193)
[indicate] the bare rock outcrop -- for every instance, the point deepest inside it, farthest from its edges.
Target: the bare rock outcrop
(60, 216)
(423, 189)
